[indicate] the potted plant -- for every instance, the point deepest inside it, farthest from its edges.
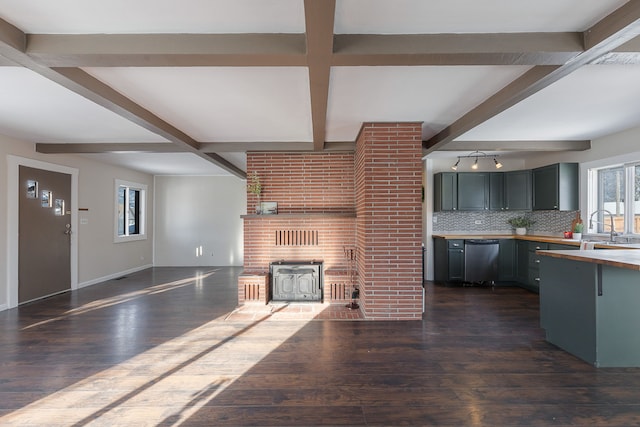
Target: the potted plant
(255, 187)
(520, 224)
(577, 231)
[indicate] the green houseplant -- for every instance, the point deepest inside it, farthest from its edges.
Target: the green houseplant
(577, 231)
(521, 223)
(255, 187)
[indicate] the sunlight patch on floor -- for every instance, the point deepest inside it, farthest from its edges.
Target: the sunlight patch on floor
(165, 385)
(129, 296)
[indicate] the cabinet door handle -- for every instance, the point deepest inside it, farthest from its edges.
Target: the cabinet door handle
(456, 245)
(537, 279)
(537, 261)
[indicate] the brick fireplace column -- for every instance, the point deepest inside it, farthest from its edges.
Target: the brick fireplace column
(388, 179)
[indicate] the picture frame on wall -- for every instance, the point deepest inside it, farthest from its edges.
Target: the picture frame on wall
(45, 199)
(32, 189)
(269, 208)
(59, 207)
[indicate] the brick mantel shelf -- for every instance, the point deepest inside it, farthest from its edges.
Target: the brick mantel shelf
(302, 215)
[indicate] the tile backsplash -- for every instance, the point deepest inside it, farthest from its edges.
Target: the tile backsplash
(547, 222)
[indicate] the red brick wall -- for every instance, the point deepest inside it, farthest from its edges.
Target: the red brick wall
(388, 179)
(260, 249)
(306, 186)
(381, 182)
(304, 182)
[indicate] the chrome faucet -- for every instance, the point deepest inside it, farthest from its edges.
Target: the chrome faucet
(611, 226)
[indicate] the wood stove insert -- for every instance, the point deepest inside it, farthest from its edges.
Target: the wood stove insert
(296, 281)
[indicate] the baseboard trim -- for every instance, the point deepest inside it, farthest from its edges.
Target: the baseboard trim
(4, 307)
(113, 276)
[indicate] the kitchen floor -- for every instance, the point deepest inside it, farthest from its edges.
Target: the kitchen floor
(162, 347)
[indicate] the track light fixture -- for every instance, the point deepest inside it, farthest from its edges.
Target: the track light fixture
(477, 155)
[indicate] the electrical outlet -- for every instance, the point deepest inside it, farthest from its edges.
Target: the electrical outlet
(477, 222)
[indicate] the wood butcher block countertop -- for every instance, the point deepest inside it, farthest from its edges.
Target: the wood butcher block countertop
(530, 237)
(536, 238)
(625, 258)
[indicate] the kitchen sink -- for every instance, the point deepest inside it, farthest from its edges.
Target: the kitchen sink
(615, 244)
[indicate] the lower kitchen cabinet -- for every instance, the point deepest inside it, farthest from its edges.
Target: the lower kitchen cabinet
(522, 261)
(507, 260)
(448, 257)
(533, 273)
(518, 261)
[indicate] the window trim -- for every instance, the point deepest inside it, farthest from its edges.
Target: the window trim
(592, 195)
(142, 208)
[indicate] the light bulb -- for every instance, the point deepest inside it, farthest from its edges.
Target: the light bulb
(498, 164)
(475, 164)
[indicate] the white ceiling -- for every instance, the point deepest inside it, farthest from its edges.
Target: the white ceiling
(229, 103)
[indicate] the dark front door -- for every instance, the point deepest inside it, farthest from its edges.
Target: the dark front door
(44, 242)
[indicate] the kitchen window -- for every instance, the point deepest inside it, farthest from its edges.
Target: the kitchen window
(610, 189)
(130, 205)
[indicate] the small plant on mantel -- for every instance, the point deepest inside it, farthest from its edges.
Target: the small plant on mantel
(255, 187)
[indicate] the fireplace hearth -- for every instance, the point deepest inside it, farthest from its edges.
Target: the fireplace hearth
(296, 281)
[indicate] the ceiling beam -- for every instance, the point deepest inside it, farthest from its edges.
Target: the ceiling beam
(13, 45)
(614, 30)
(562, 145)
(240, 50)
(516, 91)
(319, 18)
(167, 50)
(236, 147)
(456, 49)
(99, 148)
(166, 147)
(91, 88)
(11, 38)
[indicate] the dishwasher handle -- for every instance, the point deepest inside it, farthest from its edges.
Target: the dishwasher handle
(481, 242)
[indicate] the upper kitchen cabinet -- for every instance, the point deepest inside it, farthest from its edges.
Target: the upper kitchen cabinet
(496, 191)
(468, 191)
(473, 191)
(445, 191)
(517, 190)
(555, 187)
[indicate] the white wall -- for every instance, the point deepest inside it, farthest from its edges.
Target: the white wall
(99, 257)
(198, 221)
(624, 146)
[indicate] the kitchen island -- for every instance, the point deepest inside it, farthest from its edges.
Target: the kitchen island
(590, 304)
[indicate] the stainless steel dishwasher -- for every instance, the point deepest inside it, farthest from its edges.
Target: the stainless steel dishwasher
(480, 260)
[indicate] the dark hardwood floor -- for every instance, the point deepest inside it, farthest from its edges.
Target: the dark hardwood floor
(158, 348)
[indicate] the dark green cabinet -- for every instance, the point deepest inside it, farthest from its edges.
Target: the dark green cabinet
(473, 191)
(522, 261)
(445, 191)
(507, 260)
(517, 190)
(448, 257)
(533, 282)
(496, 191)
(555, 187)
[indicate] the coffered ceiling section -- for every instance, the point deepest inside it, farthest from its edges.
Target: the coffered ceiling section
(135, 83)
